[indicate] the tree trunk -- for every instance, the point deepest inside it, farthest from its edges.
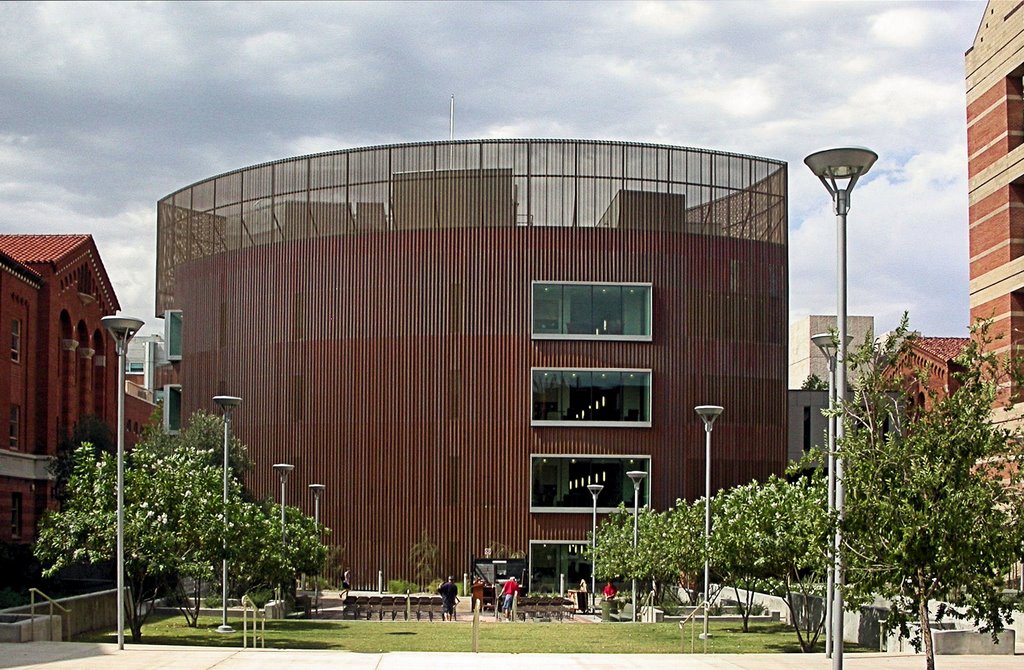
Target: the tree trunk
(926, 630)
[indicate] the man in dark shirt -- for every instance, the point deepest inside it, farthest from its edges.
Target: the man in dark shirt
(449, 594)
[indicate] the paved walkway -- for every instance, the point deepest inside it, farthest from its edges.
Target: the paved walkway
(91, 656)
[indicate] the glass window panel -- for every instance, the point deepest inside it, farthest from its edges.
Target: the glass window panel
(562, 481)
(606, 397)
(547, 308)
(636, 316)
(607, 309)
(589, 311)
(577, 310)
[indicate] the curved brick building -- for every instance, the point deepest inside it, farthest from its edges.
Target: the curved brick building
(458, 337)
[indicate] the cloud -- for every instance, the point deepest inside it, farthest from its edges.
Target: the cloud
(108, 107)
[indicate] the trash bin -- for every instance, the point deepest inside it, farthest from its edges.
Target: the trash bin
(606, 610)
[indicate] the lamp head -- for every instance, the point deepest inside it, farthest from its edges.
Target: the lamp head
(827, 343)
(595, 489)
(708, 413)
(121, 328)
(282, 470)
(841, 163)
(637, 476)
(317, 489)
(227, 402)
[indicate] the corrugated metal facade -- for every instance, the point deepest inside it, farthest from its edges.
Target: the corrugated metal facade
(373, 309)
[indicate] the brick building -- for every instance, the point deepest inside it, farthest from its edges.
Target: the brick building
(995, 132)
(53, 292)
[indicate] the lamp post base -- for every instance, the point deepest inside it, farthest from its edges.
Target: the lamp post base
(224, 628)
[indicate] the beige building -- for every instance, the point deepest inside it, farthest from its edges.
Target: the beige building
(806, 359)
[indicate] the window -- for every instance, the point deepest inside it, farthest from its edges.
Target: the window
(15, 515)
(15, 340)
(559, 483)
(551, 559)
(582, 311)
(172, 334)
(15, 426)
(136, 367)
(172, 408)
(595, 398)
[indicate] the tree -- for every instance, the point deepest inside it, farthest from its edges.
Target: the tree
(670, 544)
(814, 383)
(928, 515)
(173, 527)
(90, 429)
(738, 544)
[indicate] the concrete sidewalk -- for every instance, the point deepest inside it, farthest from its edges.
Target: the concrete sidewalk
(93, 656)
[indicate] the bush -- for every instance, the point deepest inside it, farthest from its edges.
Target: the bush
(11, 598)
(260, 597)
(401, 586)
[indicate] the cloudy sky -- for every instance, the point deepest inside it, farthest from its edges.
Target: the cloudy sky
(105, 108)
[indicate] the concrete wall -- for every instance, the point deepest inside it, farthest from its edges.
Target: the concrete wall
(806, 359)
(91, 611)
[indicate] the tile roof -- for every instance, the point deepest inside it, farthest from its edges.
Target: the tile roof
(11, 265)
(945, 348)
(40, 248)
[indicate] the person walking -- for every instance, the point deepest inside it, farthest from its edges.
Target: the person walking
(508, 595)
(449, 597)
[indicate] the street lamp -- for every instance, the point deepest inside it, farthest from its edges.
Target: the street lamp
(638, 477)
(595, 490)
(226, 404)
(826, 342)
(283, 470)
(317, 490)
(708, 414)
(836, 167)
(122, 329)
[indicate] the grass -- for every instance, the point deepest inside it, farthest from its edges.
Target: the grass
(374, 636)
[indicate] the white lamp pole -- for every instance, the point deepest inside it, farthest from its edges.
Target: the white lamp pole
(708, 414)
(595, 490)
(317, 490)
(122, 329)
(826, 342)
(283, 470)
(226, 404)
(839, 169)
(638, 477)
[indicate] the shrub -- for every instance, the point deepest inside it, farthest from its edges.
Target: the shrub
(402, 585)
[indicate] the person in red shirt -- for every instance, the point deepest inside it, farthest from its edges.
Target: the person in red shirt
(508, 594)
(609, 591)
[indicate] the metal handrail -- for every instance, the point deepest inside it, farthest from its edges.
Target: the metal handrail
(32, 608)
(682, 623)
(259, 634)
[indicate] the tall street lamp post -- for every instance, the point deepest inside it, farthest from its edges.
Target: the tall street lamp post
(839, 169)
(638, 477)
(317, 490)
(283, 470)
(226, 404)
(122, 329)
(595, 490)
(826, 342)
(708, 414)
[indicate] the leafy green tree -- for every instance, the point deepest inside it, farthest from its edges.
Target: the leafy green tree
(90, 429)
(741, 527)
(173, 509)
(814, 383)
(670, 544)
(932, 512)
(793, 531)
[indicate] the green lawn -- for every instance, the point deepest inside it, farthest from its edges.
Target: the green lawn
(374, 636)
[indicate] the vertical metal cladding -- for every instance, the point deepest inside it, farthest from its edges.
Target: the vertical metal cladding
(373, 309)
